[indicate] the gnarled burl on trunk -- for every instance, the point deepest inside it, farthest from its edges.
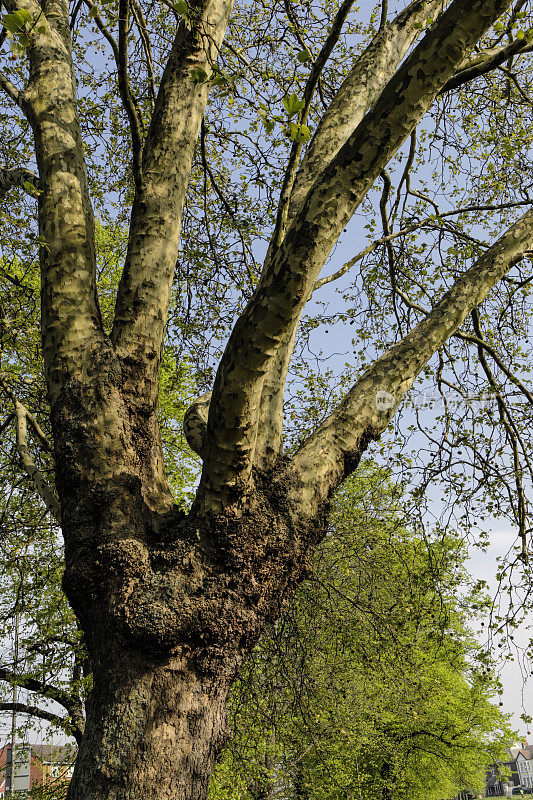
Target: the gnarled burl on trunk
(171, 604)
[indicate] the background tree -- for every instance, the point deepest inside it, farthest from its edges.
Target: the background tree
(171, 603)
(369, 685)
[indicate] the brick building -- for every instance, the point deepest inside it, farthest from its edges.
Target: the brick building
(35, 765)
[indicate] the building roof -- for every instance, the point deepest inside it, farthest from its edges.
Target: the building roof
(54, 752)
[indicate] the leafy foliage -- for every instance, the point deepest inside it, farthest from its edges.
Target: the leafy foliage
(369, 684)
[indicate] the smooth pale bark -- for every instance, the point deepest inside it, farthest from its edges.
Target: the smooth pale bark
(331, 202)
(336, 446)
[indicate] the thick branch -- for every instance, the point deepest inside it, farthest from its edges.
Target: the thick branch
(71, 319)
(360, 90)
(144, 291)
(294, 268)
(334, 449)
(195, 424)
(43, 489)
(19, 177)
(34, 711)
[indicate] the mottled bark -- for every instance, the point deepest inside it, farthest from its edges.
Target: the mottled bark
(360, 90)
(171, 605)
(144, 291)
(19, 177)
(336, 446)
(356, 95)
(294, 267)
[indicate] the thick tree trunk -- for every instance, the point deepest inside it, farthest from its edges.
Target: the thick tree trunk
(171, 606)
(153, 730)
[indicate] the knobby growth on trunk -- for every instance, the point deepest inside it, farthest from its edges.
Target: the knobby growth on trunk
(172, 603)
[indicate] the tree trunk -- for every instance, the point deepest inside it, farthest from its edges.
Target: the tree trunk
(170, 605)
(153, 730)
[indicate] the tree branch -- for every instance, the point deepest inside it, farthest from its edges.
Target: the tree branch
(71, 317)
(513, 438)
(359, 91)
(296, 149)
(126, 94)
(486, 62)
(71, 705)
(10, 89)
(34, 711)
(286, 284)
(141, 26)
(41, 485)
(195, 424)
(335, 448)
(416, 226)
(384, 12)
(144, 291)
(21, 178)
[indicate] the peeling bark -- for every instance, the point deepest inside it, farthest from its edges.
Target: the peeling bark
(334, 449)
(294, 267)
(170, 605)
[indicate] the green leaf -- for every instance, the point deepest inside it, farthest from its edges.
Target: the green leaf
(181, 7)
(269, 125)
(30, 188)
(304, 134)
(198, 75)
(303, 56)
(24, 15)
(12, 23)
(93, 12)
(17, 49)
(293, 131)
(292, 104)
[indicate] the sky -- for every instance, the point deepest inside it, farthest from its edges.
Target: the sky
(483, 565)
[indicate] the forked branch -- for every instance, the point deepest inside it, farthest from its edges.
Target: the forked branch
(293, 269)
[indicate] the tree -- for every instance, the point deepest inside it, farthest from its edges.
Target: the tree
(171, 603)
(50, 669)
(369, 685)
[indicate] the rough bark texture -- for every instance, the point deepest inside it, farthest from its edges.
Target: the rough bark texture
(172, 604)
